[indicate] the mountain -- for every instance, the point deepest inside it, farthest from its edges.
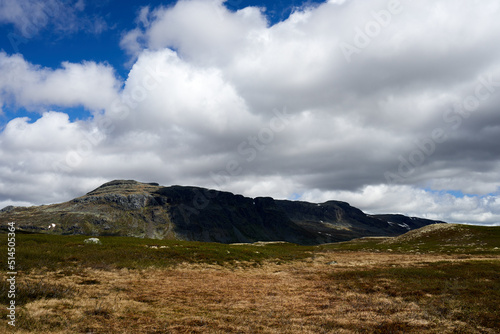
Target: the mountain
(131, 208)
(409, 223)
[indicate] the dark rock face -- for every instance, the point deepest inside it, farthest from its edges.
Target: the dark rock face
(130, 202)
(7, 208)
(208, 215)
(408, 223)
(132, 208)
(337, 221)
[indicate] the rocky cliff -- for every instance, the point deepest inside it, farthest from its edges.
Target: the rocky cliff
(131, 208)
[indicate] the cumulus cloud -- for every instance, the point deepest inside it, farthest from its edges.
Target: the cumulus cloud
(223, 99)
(27, 154)
(424, 203)
(88, 84)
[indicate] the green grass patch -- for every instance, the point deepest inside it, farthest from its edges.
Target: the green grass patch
(460, 239)
(55, 252)
(466, 291)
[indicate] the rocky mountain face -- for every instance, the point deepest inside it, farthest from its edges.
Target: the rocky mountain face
(131, 208)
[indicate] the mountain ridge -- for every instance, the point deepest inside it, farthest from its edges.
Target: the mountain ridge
(132, 208)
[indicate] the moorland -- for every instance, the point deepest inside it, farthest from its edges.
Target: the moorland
(442, 278)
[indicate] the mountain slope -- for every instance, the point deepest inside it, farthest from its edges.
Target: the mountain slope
(435, 238)
(131, 208)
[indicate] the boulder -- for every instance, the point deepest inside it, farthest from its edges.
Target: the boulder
(92, 241)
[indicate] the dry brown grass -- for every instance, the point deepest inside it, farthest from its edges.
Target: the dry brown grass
(195, 298)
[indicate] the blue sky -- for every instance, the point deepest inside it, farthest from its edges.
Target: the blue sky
(49, 47)
(41, 42)
(392, 106)
(44, 44)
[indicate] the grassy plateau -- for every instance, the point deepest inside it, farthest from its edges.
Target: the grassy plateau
(441, 279)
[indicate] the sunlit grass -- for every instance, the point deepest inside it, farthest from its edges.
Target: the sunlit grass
(55, 252)
(132, 285)
(465, 291)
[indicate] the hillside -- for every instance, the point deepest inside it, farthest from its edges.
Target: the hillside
(131, 208)
(435, 238)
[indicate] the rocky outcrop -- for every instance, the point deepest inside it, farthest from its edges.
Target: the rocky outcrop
(131, 208)
(125, 202)
(8, 208)
(408, 223)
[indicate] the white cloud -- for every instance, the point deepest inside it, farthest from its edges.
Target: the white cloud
(171, 93)
(408, 200)
(19, 135)
(204, 31)
(91, 85)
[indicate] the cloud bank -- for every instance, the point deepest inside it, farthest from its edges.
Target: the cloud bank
(392, 106)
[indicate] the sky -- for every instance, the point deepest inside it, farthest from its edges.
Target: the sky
(390, 105)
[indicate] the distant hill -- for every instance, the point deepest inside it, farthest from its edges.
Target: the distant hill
(435, 238)
(450, 237)
(131, 208)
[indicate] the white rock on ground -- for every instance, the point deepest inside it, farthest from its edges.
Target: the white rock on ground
(94, 241)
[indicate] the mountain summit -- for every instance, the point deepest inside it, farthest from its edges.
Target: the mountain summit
(131, 208)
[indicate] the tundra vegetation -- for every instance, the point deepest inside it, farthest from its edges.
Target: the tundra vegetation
(438, 279)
